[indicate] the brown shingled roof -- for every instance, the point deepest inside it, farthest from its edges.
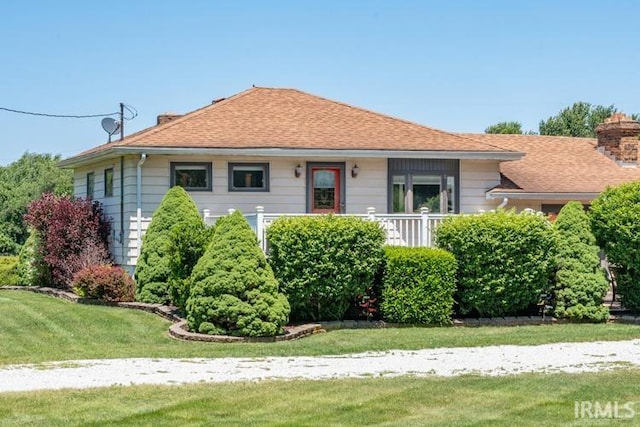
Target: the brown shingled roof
(291, 119)
(556, 164)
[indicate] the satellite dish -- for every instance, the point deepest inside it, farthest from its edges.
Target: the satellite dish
(110, 126)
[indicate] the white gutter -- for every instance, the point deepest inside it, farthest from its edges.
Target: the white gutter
(524, 195)
(143, 157)
(293, 152)
(503, 203)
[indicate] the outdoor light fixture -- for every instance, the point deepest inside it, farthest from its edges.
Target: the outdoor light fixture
(355, 170)
(298, 171)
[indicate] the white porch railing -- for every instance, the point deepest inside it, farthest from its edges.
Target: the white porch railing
(410, 230)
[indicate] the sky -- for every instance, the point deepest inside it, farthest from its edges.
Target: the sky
(459, 66)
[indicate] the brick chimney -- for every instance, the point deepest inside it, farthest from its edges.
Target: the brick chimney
(618, 136)
(167, 117)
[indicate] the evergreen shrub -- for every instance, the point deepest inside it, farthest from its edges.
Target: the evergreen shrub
(323, 263)
(580, 281)
(418, 285)
(615, 223)
(187, 243)
(505, 260)
(31, 269)
(232, 288)
(153, 267)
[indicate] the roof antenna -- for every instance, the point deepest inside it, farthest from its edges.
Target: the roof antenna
(121, 121)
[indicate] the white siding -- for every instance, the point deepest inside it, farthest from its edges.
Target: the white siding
(111, 205)
(476, 178)
(287, 193)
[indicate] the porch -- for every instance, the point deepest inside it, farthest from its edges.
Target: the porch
(410, 230)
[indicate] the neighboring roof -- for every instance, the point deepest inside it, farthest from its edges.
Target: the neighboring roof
(555, 166)
(267, 121)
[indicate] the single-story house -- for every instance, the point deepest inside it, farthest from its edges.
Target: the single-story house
(292, 152)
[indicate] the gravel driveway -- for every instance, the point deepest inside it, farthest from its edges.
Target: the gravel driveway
(492, 360)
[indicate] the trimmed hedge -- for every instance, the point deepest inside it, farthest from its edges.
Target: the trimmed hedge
(323, 263)
(615, 223)
(233, 290)
(505, 260)
(418, 285)
(580, 280)
(153, 269)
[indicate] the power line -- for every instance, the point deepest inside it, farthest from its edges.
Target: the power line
(66, 116)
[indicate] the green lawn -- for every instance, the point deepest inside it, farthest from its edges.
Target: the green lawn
(38, 328)
(524, 400)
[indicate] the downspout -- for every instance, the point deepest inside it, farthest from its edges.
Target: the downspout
(121, 235)
(503, 203)
(143, 157)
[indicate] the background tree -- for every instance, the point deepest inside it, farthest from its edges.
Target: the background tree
(579, 120)
(505, 128)
(153, 268)
(22, 182)
(580, 280)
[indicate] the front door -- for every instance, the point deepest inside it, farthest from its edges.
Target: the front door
(325, 189)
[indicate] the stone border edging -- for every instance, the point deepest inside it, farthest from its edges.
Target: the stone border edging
(178, 328)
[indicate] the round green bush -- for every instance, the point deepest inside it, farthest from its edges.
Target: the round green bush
(505, 260)
(232, 288)
(418, 285)
(580, 281)
(615, 222)
(324, 262)
(153, 267)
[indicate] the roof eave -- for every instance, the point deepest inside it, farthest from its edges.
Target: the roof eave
(535, 195)
(290, 152)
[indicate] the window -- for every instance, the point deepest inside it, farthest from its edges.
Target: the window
(248, 177)
(423, 183)
(108, 182)
(191, 176)
(91, 182)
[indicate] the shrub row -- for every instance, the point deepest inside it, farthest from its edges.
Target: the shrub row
(505, 260)
(418, 285)
(323, 263)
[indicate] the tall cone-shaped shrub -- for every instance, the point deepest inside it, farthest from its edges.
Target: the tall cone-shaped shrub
(233, 289)
(580, 280)
(153, 268)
